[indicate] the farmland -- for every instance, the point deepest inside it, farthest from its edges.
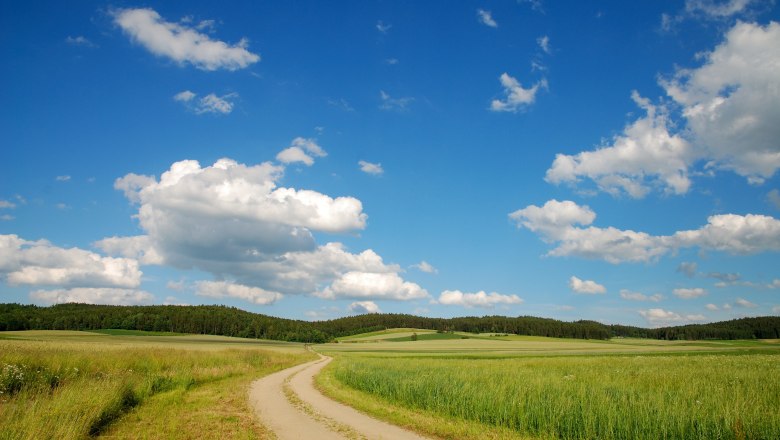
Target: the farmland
(69, 384)
(506, 386)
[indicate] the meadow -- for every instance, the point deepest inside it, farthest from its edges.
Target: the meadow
(129, 384)
(504, 386)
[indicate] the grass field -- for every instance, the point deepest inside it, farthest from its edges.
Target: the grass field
(64, 385)
(529, 387)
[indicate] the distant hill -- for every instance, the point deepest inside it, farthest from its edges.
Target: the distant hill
(230, 321)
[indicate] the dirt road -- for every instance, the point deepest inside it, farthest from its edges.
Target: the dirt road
(293, 409)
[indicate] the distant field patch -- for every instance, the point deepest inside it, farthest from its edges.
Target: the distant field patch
(122, 332)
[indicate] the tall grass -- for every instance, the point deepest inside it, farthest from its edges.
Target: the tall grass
(636, 397)
(68, 390)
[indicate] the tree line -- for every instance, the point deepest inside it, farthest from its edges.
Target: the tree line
(231, 321)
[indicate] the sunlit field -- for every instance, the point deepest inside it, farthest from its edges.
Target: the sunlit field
(120, 384)
(491, 386)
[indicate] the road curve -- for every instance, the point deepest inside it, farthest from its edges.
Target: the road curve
(323, 419)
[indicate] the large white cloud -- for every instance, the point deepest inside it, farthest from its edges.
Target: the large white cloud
(645, 154)
(730, 120)
(39, 263)
(730, 102)
(373, 285)
(559, 223)
(93, 295)
(233, 221)
(181, 43)
(223, 289)
(478, 299)
(588, 287)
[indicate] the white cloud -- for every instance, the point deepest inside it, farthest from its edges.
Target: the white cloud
(63, 178)
(661, 317)
(7, 217)
(394, 104)
(717, 9)
(744, 303)
(424, 266)
(301, 150)
(556, 222)
(516, 96)
(589, 287)
(181, 43)
(176, 286)
(774, 198)
(223, 289)
(372, 285)
(139, 248)
(730, 102)
(184, 96)
(93, 295)
(712, 307)
(478, 299)
(382, 27)
(544, 43)
(775, 284)
(688, 268)
(645, 155)
(371, 168)
(638, 296)
(5, 204)
(342, 104)
(391, 61)
(486, 18)
(686, 293)
(363, 307)
(79, 40)
(39, 263)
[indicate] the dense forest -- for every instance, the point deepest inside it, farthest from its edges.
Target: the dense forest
(230, 321)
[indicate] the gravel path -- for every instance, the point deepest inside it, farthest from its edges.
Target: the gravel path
(293, 409)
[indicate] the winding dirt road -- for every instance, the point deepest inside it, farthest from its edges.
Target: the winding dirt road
(293, 409)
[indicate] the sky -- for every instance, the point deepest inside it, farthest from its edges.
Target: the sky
(611, 161)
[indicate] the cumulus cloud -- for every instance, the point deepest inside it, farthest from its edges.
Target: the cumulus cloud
(712, 307)
(233, 221)
(39, 263)
(184, 96)
(516, 97)
(645, 155)
(424, 266)
(301, 150)
(729, 103)
(363, 307)
(5, 204)
(557, 222)
(689, 293)
(661, 317)
(479, 299)
(638, 296)
(588, 287)
(387, 102)
(181, 43)
(486, 18)
(387, 285)
(224, 289)
(92, 295)
(371, 168)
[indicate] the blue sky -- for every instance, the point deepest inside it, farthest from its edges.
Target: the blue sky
(612, 161)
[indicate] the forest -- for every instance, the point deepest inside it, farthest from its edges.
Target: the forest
(231, 321)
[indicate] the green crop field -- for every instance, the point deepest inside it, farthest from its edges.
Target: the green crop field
(69, 384)
(504, 386)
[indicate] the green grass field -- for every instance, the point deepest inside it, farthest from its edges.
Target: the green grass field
(68, 385)
(494, 386)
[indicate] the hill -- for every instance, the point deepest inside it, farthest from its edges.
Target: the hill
(230, 321)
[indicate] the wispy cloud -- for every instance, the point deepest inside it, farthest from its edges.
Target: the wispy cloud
(395, 104)
(79, 41)
(371, 168)
(486, 18)
(182, 43)
(516, 97)
(210, 103)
